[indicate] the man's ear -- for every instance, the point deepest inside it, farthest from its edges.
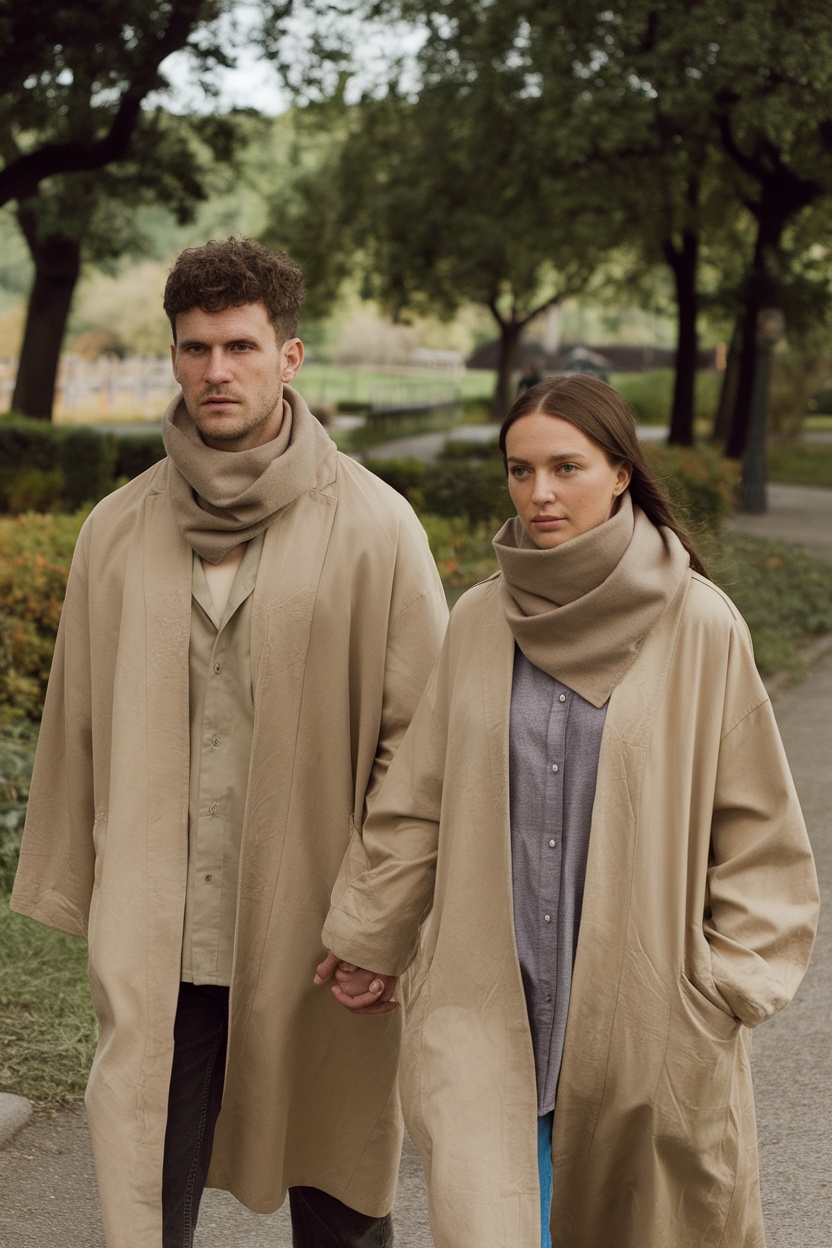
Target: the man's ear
(292, 356)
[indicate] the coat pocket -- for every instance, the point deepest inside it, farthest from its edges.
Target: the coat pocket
(695, 1118)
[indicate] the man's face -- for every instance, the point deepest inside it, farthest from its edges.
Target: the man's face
(232, 373)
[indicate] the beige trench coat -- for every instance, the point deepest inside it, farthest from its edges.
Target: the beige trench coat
(347, 619)
(698, 921)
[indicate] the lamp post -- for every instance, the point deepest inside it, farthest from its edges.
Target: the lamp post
(753, 498)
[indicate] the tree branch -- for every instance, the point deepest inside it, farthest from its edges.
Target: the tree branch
(22, 176)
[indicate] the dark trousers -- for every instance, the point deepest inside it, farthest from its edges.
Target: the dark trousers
(200, 1039)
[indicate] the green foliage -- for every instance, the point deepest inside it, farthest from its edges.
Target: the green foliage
(62, 467)
(463, 552)
(17, 750)
(701, 484)
(35, 489)
(800, 463)
(48, 1031)
(476, 492)
(135, 453)
(35, 554)
(784, 594)
(650, 394)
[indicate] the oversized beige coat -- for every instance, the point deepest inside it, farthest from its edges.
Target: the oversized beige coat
(698, 921)
(347, 619)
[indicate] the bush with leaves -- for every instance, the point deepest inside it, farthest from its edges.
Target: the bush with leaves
(35, 554)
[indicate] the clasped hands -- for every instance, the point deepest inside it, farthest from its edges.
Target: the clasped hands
(362, 992)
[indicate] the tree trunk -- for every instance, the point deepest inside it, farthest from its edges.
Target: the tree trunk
(746, 369)
(57, 267)
(728, 391)
(683, 262)
(510, 332)
(780, 201)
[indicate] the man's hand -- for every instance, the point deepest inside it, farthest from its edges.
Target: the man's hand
(358, 990)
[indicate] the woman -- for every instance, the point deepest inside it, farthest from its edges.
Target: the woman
(589, 854)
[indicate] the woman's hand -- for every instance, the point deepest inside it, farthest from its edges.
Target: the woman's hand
(362, 992)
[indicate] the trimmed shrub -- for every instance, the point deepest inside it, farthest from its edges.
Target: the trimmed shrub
(58, 467)
(136, 452)
(35, 554)
(475, 491)
(701, 483)
(407, 476)
(87, 459)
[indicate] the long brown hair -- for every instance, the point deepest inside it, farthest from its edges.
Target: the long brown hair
(600, 412)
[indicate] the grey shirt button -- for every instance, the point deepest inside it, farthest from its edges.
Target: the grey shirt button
(552, 843)
(547, 918)
(562, 698)
(555, 767)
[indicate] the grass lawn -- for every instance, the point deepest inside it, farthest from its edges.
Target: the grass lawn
(800, 463)
(47, 1027)
(327, 383)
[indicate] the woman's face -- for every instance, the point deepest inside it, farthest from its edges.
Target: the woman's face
(561, 483)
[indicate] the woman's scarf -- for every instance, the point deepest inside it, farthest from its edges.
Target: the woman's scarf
(580, 611)
(222, 498)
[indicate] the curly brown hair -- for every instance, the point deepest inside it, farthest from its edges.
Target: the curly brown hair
(604, 416)
(231, 273)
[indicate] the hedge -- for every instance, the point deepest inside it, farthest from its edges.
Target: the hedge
(45, 467)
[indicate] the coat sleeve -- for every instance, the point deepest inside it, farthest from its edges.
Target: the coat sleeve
(376, 915)
(418, 619)
(57, 859)
(763, 891)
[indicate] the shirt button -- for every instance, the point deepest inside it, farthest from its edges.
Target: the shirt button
(547, 918)
(562, 698)
(208, 879)
(554, 767)
(218, 668)
(215, 740)
(552, 844)
(212, 809)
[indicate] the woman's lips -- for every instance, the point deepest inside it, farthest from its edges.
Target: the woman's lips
(548, 522)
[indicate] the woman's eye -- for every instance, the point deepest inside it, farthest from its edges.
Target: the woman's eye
(520, 473)
(569, 469)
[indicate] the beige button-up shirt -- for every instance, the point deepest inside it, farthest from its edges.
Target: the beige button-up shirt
(222, 716)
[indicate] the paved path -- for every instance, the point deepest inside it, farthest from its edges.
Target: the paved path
(799, 514)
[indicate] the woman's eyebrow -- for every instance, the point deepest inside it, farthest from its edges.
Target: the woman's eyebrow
(553, 459)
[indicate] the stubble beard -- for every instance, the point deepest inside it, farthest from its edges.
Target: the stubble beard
(227, 428)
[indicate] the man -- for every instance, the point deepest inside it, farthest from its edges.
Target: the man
(247, 629)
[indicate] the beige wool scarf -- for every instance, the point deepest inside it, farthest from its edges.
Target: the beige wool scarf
(222, 498)
(581, 611)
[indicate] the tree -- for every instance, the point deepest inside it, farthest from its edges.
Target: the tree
(441, 201)
(76, 78)
(692, 109)
(775, 119)
(93, 218)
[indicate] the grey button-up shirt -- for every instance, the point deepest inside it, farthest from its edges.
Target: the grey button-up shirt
(554, 744)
